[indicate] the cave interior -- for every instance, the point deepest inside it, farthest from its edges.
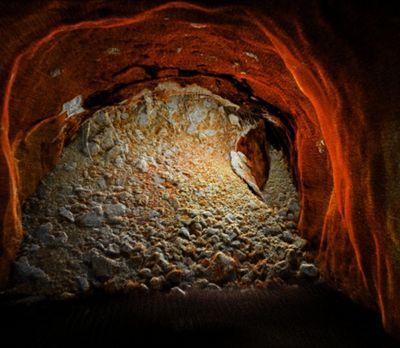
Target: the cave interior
(208, 171)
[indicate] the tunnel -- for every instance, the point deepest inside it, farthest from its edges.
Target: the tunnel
(215, 154)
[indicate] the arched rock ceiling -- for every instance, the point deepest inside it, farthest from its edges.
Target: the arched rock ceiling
(329, 67)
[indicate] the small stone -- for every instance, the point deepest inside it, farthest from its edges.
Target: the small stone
(248, 277)
(158, 180)
(145, 273)
(184, 232)
(293, 206)
(251, 55)
(119, 162)
(91, 219)
(272, 230)
(33, 248)
(142, 119)
(115, 220)
(236, 243)
(177, 291)
(201, 283)
(27, 272)
(185, 220)
(168, 153)
(114, 210)
(70, 167)
(142, 165)
(107, 142)
(113, 51)
(133, 285)
(83, 284)
(308, 270)
(214, 239)
(113, 153)
(195, 228)
(287, 236)
(103, 267)
(115, 284)
(126, 249)
(143, 287)
(55, 72)
(207, 133)
(77, 208)
(230, 218)
(241, 256)
(102, 118)
(213, 287)
(102, 183)
(234, 120)
(174, 276)
(74, 106)
(211, 231)
(157, 283)
(113, 249)
(153, 214)
(160, 260)
(290, 217)
(282, 268)
(223, 267)
(207, 213)
(62, 238)
(300, 243)
(43, 231)
(94, 149)
(139, 135)
(66, 214)
(66, 296)
(291, 257)
(142, 199)
(283, 212)
(291, 224)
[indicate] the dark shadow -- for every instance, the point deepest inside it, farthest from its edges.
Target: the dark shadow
(284, 317)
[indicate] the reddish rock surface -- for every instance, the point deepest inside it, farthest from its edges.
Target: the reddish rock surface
(332, 67)
(255, 146)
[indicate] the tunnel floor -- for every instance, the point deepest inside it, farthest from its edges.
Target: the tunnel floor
(145, 198)
(284, 316)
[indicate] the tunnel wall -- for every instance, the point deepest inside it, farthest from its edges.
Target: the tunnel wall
(329, 65)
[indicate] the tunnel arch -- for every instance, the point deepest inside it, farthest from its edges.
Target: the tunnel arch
(282, 63)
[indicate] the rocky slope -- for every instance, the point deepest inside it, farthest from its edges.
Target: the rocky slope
(145, 197)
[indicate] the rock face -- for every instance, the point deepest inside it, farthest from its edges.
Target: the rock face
(240, 166)
(254, 145)
(346, 144)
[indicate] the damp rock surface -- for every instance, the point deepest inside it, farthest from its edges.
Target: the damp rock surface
(152, 200)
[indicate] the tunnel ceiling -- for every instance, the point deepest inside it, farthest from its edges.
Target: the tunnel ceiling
(327, 69)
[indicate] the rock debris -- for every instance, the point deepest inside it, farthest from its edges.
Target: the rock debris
(149, 201)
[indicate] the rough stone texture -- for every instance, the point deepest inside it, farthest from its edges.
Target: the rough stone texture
(239, 163)
(254, 145)
(188, 220)
(333, 66)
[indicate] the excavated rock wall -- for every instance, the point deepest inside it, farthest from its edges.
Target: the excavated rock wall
(255, 146)
(331, 65)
